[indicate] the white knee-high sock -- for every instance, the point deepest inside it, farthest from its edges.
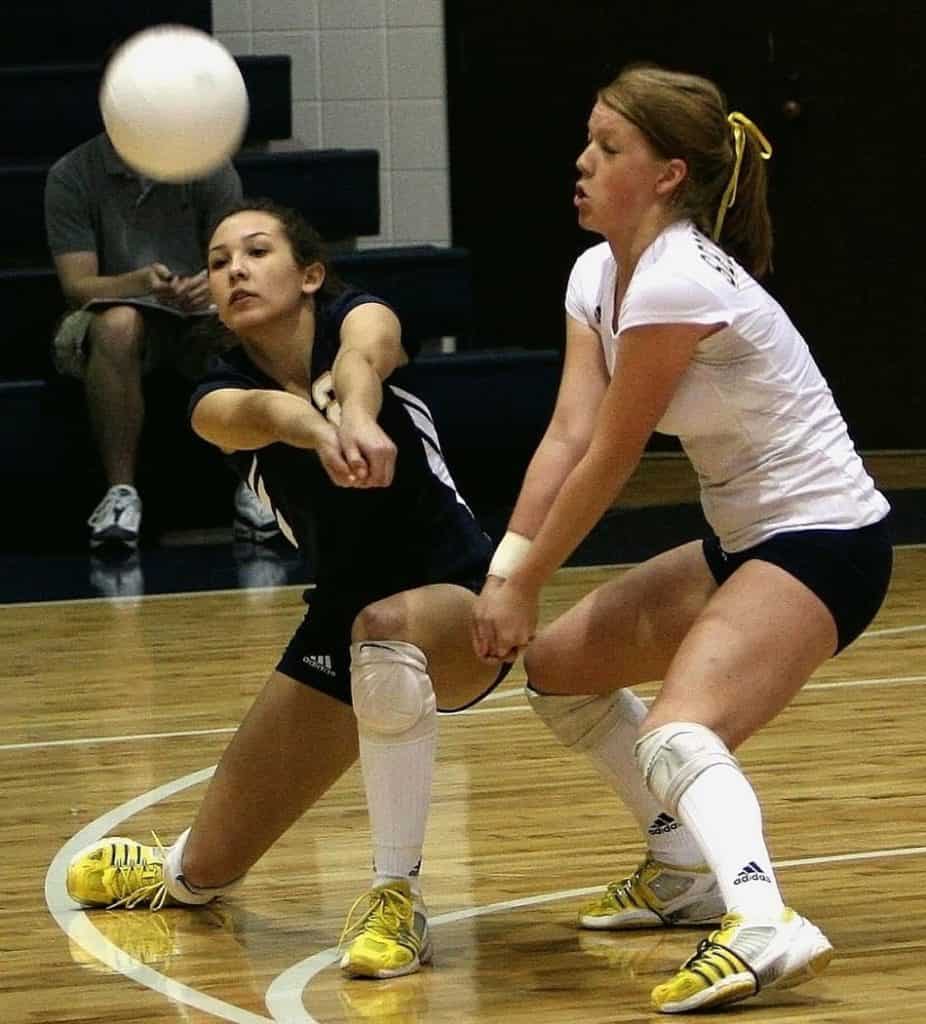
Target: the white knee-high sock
(605, 729)
(721, 809)
(397, 724)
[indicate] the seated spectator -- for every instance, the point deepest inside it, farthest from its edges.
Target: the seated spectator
(129, 255)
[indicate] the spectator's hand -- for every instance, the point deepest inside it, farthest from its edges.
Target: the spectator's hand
(504, 619)
(191, 294)
(159, 282)
(367, 449)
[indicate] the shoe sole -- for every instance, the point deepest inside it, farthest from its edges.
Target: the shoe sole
(358, 969)
(742, 986)
(814, 967)
(727, 990)
(625, 922)
(114, 540)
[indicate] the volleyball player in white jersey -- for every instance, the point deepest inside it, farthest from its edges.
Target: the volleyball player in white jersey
(668, 330)
(310, 411)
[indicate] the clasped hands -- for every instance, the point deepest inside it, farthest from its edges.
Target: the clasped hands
(357, 452)
(189, 294)
(504, 619)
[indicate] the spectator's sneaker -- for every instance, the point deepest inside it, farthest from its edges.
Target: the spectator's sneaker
(118, 872)
(743, 957)
(117, 518)
(656, 894)
(259, 565)
(117, 577)
(253, 519)
(391, 937)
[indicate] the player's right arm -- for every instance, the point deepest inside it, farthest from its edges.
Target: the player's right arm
(242, 419)
(74, 243)
(582, 386)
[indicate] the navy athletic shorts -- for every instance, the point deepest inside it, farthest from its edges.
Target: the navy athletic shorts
(318, 654)
(849, 570)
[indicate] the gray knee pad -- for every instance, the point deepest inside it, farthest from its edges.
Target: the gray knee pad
(674, 755)
(581, 722)
(391, 688)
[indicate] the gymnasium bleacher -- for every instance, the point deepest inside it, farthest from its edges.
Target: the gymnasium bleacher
(48, 104)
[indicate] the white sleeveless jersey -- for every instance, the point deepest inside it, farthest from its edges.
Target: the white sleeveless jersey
(752, 411)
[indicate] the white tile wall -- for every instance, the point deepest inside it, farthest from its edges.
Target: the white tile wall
(366, 74)
(302, 47)
(353, 13)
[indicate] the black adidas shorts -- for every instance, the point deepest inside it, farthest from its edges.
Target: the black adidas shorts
(849, 570)
(318, 654)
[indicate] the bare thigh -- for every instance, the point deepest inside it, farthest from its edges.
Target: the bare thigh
(626, 631)
(437, 619)
(756, 643)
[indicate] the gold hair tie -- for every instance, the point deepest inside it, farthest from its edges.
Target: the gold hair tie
(741, 126)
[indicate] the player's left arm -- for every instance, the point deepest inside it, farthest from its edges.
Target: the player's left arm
(651, 361)
(370, 350)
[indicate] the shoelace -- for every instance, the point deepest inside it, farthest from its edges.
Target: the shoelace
(389, 912)
(141, 881)
(113, 505)
(623, 892)
(713, 956)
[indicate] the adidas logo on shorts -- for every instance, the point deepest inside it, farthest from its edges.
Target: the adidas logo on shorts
(320, 662)
(751, 873)
(663, 824)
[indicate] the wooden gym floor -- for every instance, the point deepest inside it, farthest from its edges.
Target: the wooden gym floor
(114, 711)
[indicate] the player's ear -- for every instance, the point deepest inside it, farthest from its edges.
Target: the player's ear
(313, 277)
(673, 174)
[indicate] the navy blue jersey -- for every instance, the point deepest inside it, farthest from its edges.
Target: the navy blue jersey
(367, 543)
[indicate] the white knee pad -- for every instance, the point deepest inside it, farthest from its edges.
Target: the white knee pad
(391, 688)
(674, 755)
(582, 722)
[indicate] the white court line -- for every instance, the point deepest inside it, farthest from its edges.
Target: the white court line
(284, 995)
(845, 684)
(79, 926)
(174, 595)
(128, 738)
(181, 594)
(894, 631)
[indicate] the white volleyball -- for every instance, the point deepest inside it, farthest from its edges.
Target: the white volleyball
(174, 103)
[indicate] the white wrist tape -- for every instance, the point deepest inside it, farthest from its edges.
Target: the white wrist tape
(510, 553)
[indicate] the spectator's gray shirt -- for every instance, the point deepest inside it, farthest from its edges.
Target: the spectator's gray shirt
(95, 203)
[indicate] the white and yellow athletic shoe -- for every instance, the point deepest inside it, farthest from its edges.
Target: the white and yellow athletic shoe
(743, 957)
(390, 938)
(118, 872)
(656, 894)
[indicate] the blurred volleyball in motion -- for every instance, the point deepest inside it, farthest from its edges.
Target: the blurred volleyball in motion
(174, 103)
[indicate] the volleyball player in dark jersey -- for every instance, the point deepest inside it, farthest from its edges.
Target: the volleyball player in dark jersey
(311, 411)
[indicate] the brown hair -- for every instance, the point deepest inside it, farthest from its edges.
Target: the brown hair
(685, 116)
(306, 243)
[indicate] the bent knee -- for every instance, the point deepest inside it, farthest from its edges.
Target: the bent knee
(382, 620)
(543, 666)
(118, 330)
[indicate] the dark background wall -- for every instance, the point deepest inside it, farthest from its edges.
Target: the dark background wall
(838, 88)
